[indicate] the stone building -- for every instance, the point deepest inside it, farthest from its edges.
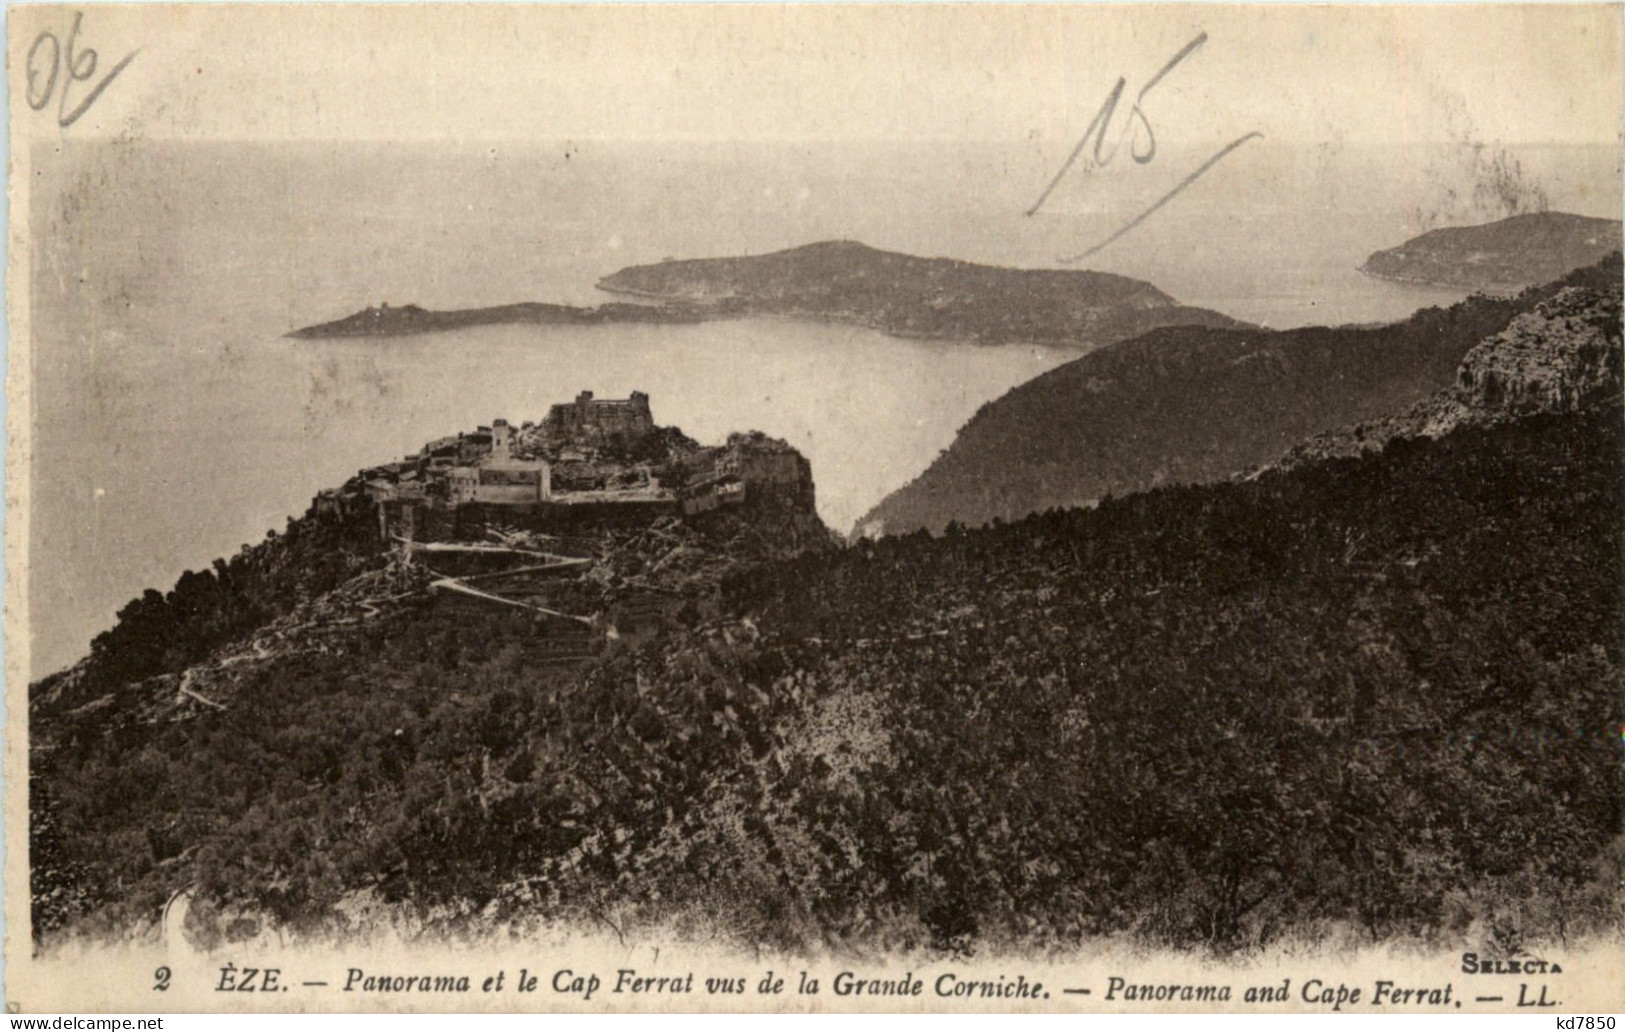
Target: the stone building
(749, 466)
(500, 481)
(601, 420)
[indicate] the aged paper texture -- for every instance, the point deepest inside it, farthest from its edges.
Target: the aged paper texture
(1064, 508)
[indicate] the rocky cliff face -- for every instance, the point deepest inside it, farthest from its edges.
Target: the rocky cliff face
(1561, 357)
(1565, 356)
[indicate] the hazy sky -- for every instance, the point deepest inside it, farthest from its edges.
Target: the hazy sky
(1358, 73)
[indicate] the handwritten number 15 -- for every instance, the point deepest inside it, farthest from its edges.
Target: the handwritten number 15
(1102, 124)
(48, 59)
(1137, 119)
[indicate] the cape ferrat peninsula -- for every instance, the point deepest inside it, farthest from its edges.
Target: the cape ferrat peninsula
(841, 281)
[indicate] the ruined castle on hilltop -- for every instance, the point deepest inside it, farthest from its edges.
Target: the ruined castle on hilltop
(589, 419)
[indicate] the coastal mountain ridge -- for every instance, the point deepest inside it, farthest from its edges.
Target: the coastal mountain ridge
(1193, 405)
(841, 281)
(1562, 357)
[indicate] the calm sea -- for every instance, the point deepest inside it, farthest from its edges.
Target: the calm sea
(174, 422)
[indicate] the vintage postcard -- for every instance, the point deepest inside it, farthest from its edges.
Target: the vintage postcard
(1067, 508)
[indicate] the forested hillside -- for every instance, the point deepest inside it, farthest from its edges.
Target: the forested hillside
(162, 632)
(1377, 696)
(1192, 405)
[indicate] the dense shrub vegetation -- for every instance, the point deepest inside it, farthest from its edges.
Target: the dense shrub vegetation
(1381, 695)
(161, 632)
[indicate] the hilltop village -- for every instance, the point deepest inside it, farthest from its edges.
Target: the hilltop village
(594, 522)
(591, 460)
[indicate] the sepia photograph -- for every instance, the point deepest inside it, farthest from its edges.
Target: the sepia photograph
(997, 508)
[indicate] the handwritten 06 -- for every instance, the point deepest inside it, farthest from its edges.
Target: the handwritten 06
(49, 59)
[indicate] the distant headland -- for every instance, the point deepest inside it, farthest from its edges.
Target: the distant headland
(387, 320)
(1499, 256)
(841, 281)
